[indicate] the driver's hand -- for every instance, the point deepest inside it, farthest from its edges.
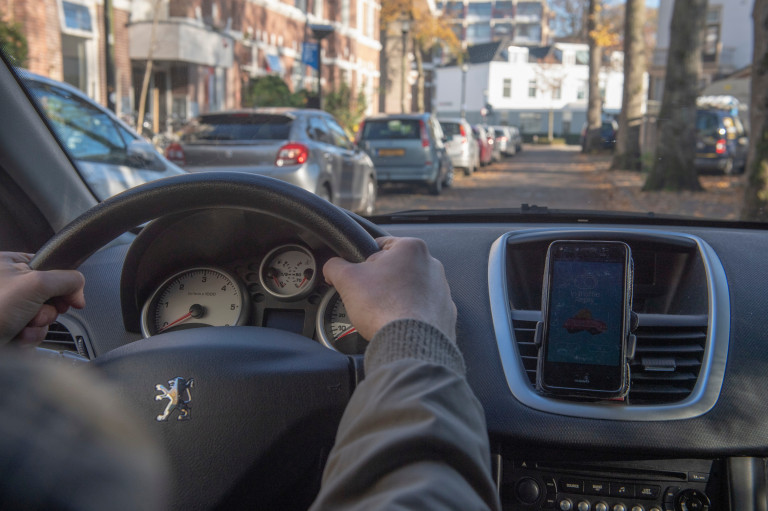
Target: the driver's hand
(24, 313)
(402, 281)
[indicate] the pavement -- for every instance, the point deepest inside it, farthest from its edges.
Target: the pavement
(561, 177)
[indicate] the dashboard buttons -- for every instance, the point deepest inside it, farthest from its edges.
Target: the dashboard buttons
(528, 490)
(601, 506)
(596, 488)
(619, 507)
(622, 490)
(647, 491)
(698, 477)
(571, 485)
(583, 505)
(565, 505)
(691, 500)
(638, 507)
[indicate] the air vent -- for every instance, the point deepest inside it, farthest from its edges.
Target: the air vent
(667, 358)
(61, 338)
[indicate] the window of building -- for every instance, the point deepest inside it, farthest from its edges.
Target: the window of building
(319, 12)
(501, 30)
(507, 88)
(581, 91)
(532, 9)
(478, 31)
(709, 51)
(532, 88)
(371, 23)
(503, 9)
(345, 12)
(77, 17)
(455, 10)
(482, 9)
(557, 92)
(530, 122)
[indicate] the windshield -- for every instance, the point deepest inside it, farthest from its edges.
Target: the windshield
(614, 106)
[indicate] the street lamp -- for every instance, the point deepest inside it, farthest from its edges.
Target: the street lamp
(405, 25)
(464, 69)
(320, 32)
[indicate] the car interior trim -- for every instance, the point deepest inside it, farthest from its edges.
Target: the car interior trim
(707, 389)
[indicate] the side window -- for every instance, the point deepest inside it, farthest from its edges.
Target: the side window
(318, 131)
(86, 133)
(340, 138)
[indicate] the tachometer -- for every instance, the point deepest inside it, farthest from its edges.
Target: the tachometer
(288, 272)
(334, 327)
(194, 298)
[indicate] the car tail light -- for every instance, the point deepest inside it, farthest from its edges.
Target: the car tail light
(463, 133)
(503, 139)
(292, 154)
(175, 153)
(720, 146)
(424, 137)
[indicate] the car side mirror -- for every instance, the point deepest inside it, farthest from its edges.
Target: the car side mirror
(144, 154)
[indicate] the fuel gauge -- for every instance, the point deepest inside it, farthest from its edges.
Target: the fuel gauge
(288, 272)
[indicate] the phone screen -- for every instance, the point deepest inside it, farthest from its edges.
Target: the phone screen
(586, 318)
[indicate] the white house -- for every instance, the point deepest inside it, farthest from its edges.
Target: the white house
(522, 85)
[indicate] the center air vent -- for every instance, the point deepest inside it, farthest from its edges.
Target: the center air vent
(682, 301)
(65, 335)
(667, 359)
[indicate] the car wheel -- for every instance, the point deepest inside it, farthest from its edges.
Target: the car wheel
(369, 197)
(436, 186)
(449, 177)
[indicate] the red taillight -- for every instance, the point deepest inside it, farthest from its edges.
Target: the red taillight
(463, 133)
(503, 139)
(175, 153)
(424, 137)
(720, 146)
(292, 154)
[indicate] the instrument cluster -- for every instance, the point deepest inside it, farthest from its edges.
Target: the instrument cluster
(284, 289)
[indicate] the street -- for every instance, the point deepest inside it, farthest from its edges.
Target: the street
(553, 176)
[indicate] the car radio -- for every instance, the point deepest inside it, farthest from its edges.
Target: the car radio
(667, 485)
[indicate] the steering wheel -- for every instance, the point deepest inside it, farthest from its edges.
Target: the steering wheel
(257, 408)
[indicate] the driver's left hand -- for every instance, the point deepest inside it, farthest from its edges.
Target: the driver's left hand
(31, 300)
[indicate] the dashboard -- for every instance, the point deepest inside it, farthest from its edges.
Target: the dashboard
(691, 435)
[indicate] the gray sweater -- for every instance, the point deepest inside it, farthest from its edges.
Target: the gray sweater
(413, 436)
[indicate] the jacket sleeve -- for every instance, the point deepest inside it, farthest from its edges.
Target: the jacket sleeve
(413, 435)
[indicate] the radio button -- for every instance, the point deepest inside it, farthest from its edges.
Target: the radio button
(698, 477)
(566, 505)
(622, 490)
(601, 506)
(528, 490)
(670, 494)
(647, 491)
(638, 507)
(583, 506)
(619, 507)
(596, 488)
(692, 500)
(571, 485)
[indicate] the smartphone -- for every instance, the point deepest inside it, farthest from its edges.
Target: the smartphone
(586, 305)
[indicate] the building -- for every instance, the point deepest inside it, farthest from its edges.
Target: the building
(66, 40)
(525, 86)
(208, 51)
(521, 22)
(727, 48)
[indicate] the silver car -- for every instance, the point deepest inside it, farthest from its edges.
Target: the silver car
(461, 145)
(304, 147)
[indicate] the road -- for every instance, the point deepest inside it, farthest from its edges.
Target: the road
(557, 177)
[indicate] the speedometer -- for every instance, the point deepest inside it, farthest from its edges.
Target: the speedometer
(334, 327)
(194, 298)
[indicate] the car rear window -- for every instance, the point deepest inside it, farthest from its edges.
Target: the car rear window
(240, 127)
(397, 129)
(450, 129)
(707, 122)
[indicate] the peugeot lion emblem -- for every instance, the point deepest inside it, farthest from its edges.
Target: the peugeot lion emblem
(179, 397)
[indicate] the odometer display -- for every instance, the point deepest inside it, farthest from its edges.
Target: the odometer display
(194, 298)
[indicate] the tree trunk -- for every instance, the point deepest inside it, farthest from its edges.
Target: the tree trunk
(627, 155)
(594, 100)
(419, 58)
(756, 195)
(676, 149)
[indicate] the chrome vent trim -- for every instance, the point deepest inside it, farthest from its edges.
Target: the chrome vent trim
(67, 334)
(671, 368)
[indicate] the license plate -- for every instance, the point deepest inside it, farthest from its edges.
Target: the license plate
(391, 152)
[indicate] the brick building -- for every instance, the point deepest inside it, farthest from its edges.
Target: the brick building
(207, 51)
(66, 40)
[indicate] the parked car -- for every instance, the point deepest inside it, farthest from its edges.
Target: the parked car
(721, 140)
(305, 147)
(505, 140)
(490, 132)
(407, 148)
(516, 138)
(608, 130)
(461, 145)
(109, 154)
(483, 144)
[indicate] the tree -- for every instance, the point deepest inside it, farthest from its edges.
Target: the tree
(676, 149)
(271, 90)
(627, 152)
(426, 32)
(756, 195)
(550, 76)
(13, 43)
(594, 97)
(570, 19)
(347, 110)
